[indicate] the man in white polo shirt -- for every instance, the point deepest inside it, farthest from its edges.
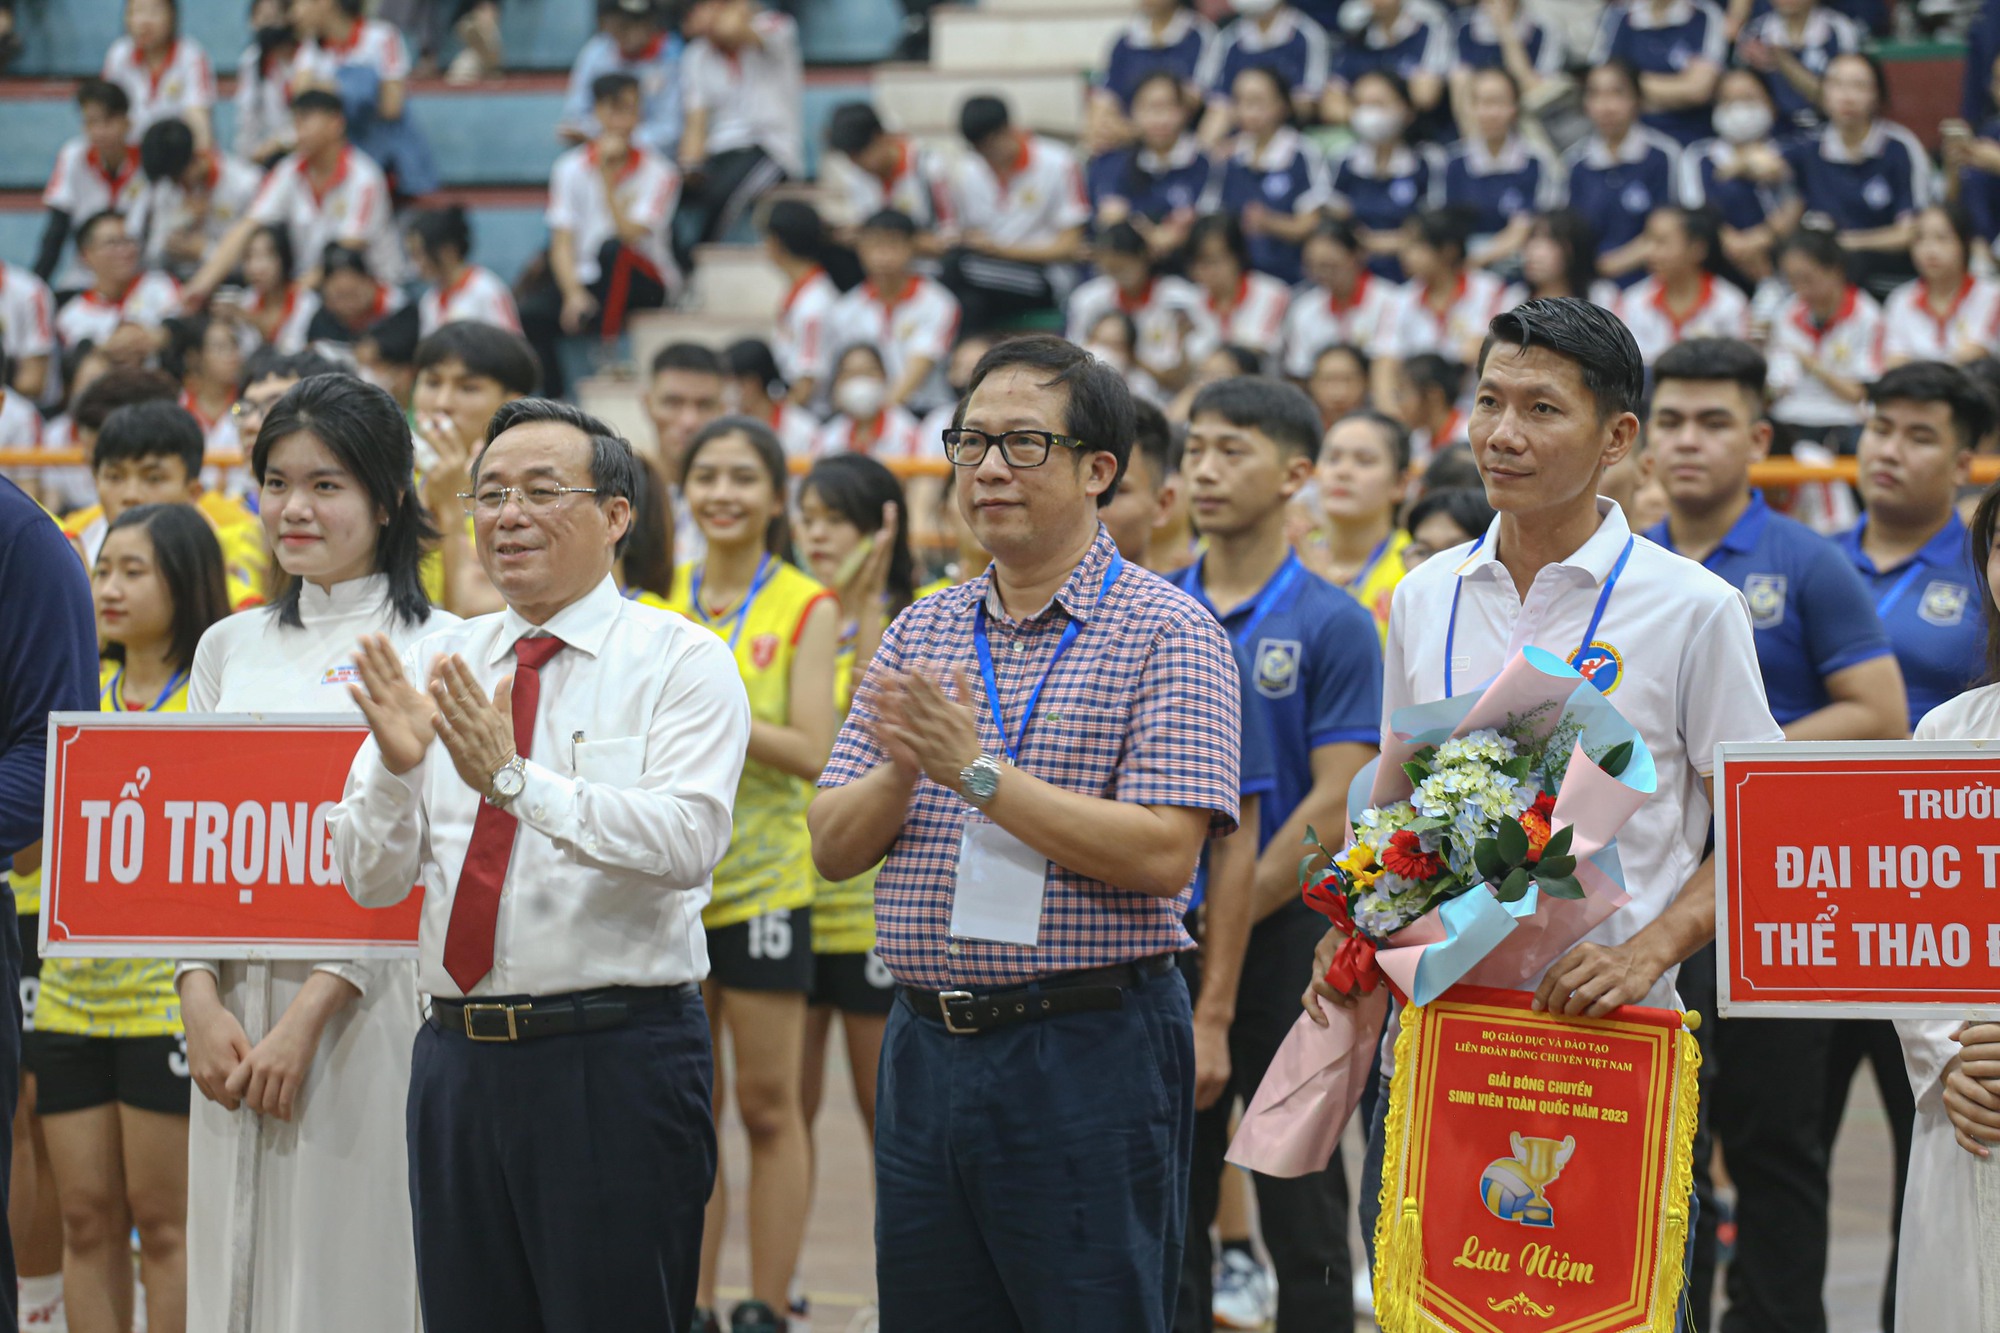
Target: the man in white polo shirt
(1015, 210)
(1669, 643)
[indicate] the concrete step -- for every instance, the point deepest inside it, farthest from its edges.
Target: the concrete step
(651, 330)
(924, 101)
(616, 401)
(1074, 39)
(737, 281)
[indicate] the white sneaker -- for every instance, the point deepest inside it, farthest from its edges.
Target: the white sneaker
(1246, 1295)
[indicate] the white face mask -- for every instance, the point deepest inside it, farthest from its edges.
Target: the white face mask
(1254, 9)
(1375, 124)
(861, 396)
(1743, 122)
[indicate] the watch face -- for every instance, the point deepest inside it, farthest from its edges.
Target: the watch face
(509, 781)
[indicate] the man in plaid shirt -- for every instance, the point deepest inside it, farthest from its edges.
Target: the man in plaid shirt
(1036, 758)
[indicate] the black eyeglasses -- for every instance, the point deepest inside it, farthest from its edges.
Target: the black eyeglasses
(1019, 448)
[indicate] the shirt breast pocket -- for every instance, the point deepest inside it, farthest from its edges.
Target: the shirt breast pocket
(614, 763)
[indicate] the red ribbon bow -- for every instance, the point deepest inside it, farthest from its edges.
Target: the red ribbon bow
(1353, 967)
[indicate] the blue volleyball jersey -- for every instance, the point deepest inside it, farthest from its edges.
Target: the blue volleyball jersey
(1380, 199)
(1418, 42)
(1155, 185)
(1475, 44)
(1826, 34)
(1496, 188)
(1136, 53)
(1740, 203)
(1313, 665)
(1666, 42)
(1811, 613)
(1615, 192)
(1289, 176)
(1931, 608)
(1885, 181)
(1294, 46)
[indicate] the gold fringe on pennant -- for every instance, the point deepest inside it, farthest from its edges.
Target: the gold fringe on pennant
(1680, 1179)
(1399, 1232)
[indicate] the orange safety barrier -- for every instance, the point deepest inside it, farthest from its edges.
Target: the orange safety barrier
(1771, 472)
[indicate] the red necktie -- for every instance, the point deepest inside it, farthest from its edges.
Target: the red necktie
(468, 940)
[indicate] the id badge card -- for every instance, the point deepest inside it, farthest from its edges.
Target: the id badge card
(1001, 879)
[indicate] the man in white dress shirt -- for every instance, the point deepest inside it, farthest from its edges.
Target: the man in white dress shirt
(564, 831)
(1669, 642)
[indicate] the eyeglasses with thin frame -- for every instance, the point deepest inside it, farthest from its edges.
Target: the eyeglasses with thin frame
(1018, 448)
(489, 500)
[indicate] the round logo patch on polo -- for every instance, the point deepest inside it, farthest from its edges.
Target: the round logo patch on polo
(1599, 664)
(764, 651)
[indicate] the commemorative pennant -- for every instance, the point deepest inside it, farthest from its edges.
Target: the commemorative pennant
(1537, 1169)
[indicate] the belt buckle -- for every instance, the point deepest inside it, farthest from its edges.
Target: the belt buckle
(945, 1000)
(510, 1010)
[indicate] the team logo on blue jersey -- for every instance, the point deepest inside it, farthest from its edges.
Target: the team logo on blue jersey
(1766, 595)
(1599, 664)
(1637, 198)
(1276, 184)
(1511, 201)
(1403, 192)
(1876, 193)
(1277, 667)
(1944, 603)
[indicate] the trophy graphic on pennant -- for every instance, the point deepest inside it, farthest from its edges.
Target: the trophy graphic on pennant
(1513, 1187)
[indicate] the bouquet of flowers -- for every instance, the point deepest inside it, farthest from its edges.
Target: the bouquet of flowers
(1482, 852)
(1480, 815)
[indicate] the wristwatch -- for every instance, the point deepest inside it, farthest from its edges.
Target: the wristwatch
(979, 779)
(507, 782)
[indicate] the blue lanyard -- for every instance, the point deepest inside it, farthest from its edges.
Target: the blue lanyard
(757, 582)
(1895, 594)
(1589, 635)
(992, 683)
(1273, 593)
(1361, 577)
(114, 693)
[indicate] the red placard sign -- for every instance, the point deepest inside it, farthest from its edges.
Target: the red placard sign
(203, 835)
(1858, 878)
(1542, 1168)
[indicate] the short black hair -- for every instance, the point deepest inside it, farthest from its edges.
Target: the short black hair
(362, 427)
(614, 467)
(106, 96)
(852, 127)
(1224, 227)
(981, 118)
(1712, 359)
(1393, 432)
(1122, 238)
(1340, 231)
(1985, 372)
(1354, 350)
(1397, 83)
(1452, 468)
(1598, 342)
(752, 359)
(1153, 439)
(152, 429)
(1428, 370)
(93, 222)
(1937, 382)
(1098, 409)
(1620, 66)
(340, 257)
(1465, 506)
(189, 560)
(395, 337)
(892, 220)
(268, 362)
(166, 149)
(1448, 229)
(607, 86)
(318, 99)
(695, 358)
(1248, 361)
(499, 354)
(443, 228)
(186, 335)
(797, 228)
(120, 388)
(1817, 241)
(1281, 412)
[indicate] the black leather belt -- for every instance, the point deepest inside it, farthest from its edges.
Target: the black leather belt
(527, 1017)
(966, 1014)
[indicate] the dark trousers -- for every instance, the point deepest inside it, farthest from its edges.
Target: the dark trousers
(713, 203)
(557, 1185)
(1304, 1220)
(994, 294)
(1696, 986)
(626, 281)
(1035, 1177)
(1874, 1040)
(1769, 1109)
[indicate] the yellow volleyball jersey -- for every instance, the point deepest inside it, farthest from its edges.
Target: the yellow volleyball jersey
(769, 864)
(1375, 586)
(113, 997)
(27, 891)
(843, 919)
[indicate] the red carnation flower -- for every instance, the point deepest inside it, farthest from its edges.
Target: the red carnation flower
(1545, 806)
(1405, 856)
(1539, 830)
